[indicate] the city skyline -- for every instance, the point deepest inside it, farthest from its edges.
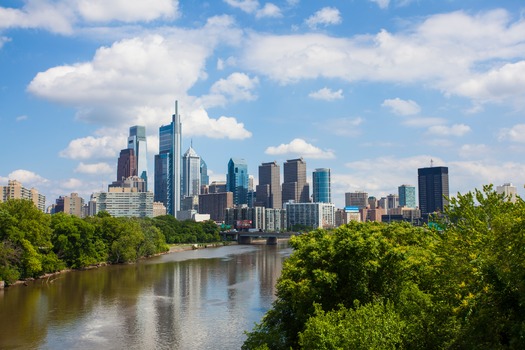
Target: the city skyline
(372, 89)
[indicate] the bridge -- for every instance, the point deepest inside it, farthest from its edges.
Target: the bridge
(244, 237)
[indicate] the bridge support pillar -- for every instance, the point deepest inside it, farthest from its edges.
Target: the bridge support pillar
(271, 241)
(244, 240)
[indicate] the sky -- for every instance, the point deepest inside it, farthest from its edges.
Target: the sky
(372, 89)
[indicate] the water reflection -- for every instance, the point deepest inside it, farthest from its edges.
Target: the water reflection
(202, 299)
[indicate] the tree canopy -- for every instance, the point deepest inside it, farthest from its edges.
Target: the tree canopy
(395, 286)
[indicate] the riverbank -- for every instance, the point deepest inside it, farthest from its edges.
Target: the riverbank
(173, 248)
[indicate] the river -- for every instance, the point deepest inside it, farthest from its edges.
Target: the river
(198, 299)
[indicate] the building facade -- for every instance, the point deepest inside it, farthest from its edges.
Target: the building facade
(407, 196)
(509, 191)
(356, 199)
(15, 190)
(168, 165)
(215, 204)
(122, 202)
(268, 191)
(294, 186)
(237, 180)
(72, 205)
(321, 184)
(433, 189)
(137, 142)
(314, 215)
(191, 173)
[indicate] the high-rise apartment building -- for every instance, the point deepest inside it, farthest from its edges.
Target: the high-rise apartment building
(237, 180)
(268, 191)
(15, 190)
(70, 204)
(295, 186)
(191, 173)
(168, 165)
(321, 186)
(432, 189)
(356, 199)
(137, 142)
(407, 196)
(215, 204)
(509, 191)
(123, 202)
(314, 215)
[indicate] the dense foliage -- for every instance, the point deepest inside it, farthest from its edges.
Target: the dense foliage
(33, 243)
(395, 286)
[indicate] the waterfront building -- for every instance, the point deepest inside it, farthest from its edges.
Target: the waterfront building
(168, 165)
(137, 142)
(15, 190)
(314, 215)
(237, 180)
(124, 202)
(268, 191)
(215, 204)
(356, 199)
(509, 191)
(275, 220)
(407, 196)
(295, 188)
(321, 186)
(70, 205)
(432, 189)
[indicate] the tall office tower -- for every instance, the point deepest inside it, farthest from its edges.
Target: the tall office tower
(127, 164)
(295, 186)
(432, 188)
(356, 199)
(392, 201)
(191, 173)
(407, 196)
(321, 186)
(168, 165)
(268, 191)
(237, 180)
(205, 179)
(508, 191)
(137, 142)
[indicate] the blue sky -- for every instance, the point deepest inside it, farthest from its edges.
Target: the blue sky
(372, 89)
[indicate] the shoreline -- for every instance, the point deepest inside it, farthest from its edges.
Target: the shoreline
(173, 248)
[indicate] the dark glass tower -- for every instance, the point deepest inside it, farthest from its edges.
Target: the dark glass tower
(237, 180)
(268, 191)
(137, 142)
(321, 186)
(295, 186)
(433, 188)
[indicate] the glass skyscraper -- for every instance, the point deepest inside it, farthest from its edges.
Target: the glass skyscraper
(168, 165)
(137, 142)
(407, 196)
(237, 180)
(321, 186)
(191, 173)
(433, 188)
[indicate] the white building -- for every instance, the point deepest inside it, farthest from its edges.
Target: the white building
(121, 202)
(316, 215)
(508, 190)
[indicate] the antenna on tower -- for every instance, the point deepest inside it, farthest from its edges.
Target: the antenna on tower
(431, 162)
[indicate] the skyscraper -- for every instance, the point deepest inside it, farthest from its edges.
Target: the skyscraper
(432, 188)
(237, 180)
(137, 142)
(321, 186)
(407, 196)
(205, 179)
(295, 186)
(168, 165)
(126, 165)
(268, 191)
(191, 173)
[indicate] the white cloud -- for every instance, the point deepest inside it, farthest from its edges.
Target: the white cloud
(127, 11)
(249, 6)
(3, 40)
(423, 122)
(269, 10)
(200, 124)
(21, 118)
(62, 16)
(229, 62)
(301, 148)
(442, 52)
(91, 147)
(326, 94)
(95, 168)
(474, 151)
(26, 178)
(383, 4)
(402, 107)
(237, 87)
(514, 134)
(453, 130)
(325, 16)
